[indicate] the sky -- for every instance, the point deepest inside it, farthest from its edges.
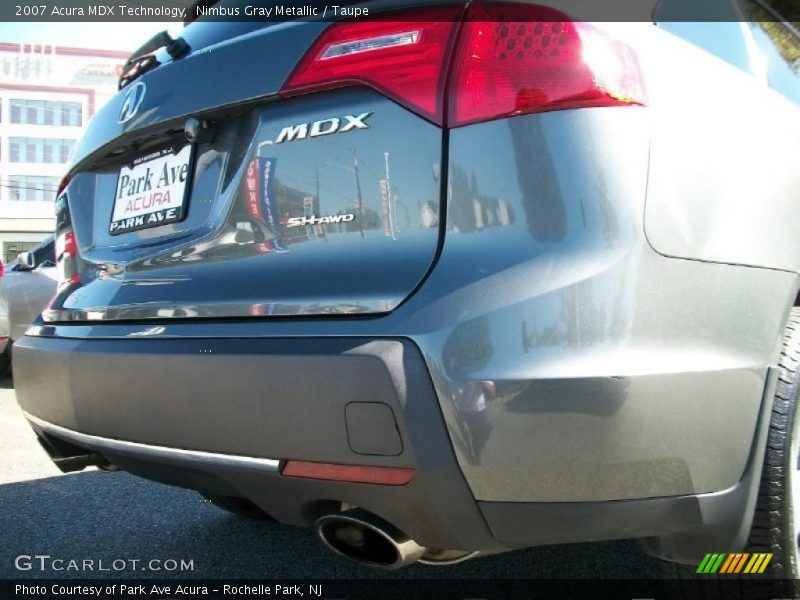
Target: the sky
(106, 36)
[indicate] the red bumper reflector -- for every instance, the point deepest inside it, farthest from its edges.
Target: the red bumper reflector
(349, 473)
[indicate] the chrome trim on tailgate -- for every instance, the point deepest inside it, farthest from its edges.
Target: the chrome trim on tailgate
(159, 453)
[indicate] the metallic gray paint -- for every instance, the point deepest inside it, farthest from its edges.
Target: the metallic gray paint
(217, 76)
(586, 336)
(617, 373)
(222, 261)
(725, 172)
(574, 359)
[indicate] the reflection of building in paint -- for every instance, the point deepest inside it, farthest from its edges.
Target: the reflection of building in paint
(491, 212)
(470, 210)
(387, 209)
(370, 218)
(308, 212)
(429, 215)
(47, 95)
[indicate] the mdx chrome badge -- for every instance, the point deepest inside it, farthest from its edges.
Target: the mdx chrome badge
(314, 220)
(322, 127)
(132, 102)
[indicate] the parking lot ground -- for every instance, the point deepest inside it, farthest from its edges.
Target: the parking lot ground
(110, 516)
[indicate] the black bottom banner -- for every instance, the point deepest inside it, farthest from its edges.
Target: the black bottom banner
(422, 589)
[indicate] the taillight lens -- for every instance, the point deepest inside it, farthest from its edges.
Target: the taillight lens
(514, 59)
(66, 259)
(404, 59)
(509, 59)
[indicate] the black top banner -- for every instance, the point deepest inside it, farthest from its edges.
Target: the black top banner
(276, 11)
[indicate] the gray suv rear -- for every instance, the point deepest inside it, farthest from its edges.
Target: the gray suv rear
(440, 282)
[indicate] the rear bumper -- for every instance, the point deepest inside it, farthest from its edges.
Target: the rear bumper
(221, 416)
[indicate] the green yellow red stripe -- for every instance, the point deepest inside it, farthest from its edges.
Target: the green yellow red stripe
(734, 563)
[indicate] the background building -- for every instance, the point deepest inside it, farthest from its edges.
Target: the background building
(47, 95)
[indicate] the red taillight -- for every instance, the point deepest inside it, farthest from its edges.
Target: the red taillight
(2, 269)
(404, 59)
(509, 59)
(514, 59)
(65, 245)
(348, 473)
(66, 253)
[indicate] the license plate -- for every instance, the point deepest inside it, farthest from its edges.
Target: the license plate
(152, 190)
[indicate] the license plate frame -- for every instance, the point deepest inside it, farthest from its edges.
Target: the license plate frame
(139, 199)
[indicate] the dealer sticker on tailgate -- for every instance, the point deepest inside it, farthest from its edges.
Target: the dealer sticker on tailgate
(152, 191)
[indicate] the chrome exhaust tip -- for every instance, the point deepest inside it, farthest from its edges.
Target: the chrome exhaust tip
(368, 539)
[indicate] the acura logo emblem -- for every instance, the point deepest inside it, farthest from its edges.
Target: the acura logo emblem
(132, 102)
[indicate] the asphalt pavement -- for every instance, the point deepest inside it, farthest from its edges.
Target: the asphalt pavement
(108, 517)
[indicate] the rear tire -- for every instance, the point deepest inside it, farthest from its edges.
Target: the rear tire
(238, 506)
(776, 520)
